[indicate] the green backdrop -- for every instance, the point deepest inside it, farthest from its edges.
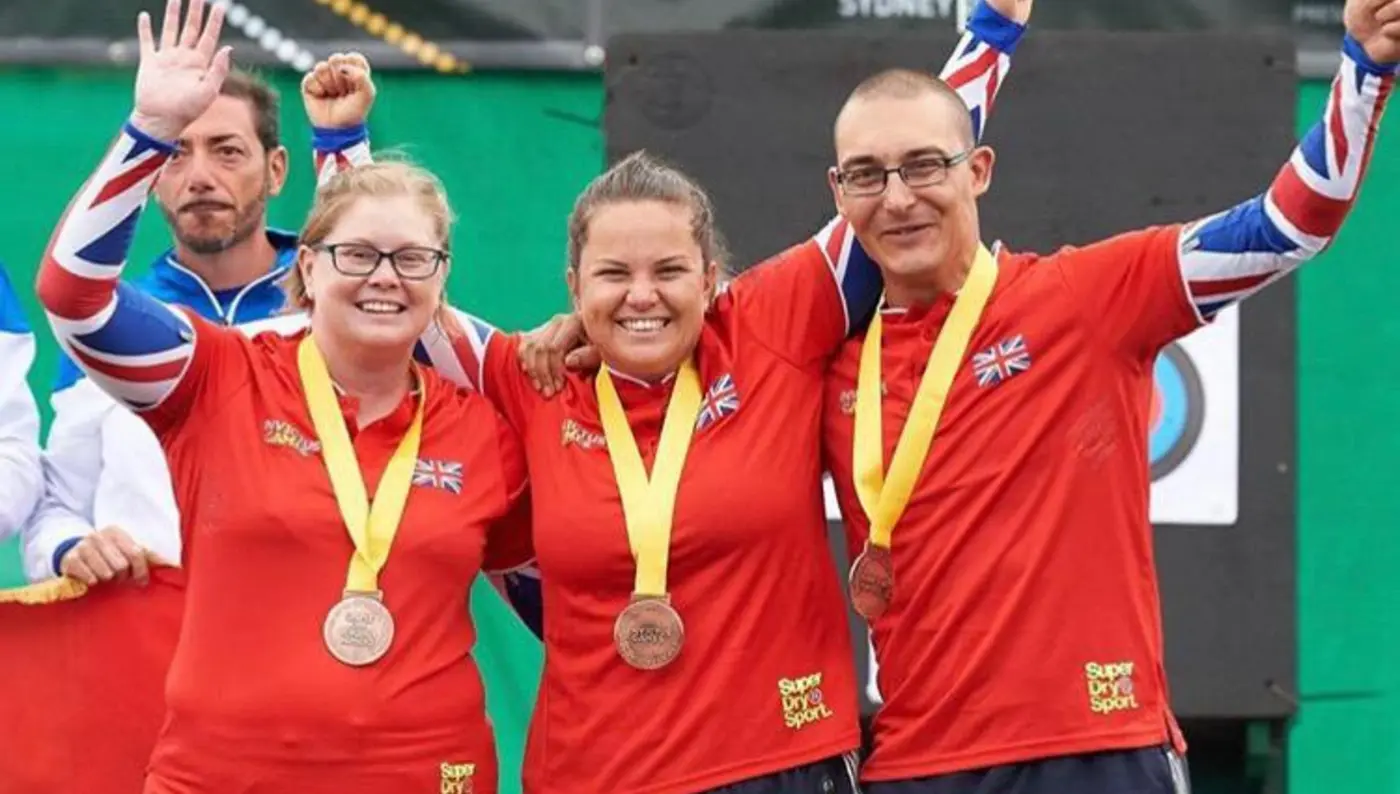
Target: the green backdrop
(514, 149)
(1346, 737)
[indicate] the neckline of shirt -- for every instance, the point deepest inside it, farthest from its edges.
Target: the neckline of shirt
(944, 298)
(645, 384)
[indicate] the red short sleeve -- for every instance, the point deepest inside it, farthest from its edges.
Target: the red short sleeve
(508, 542)
(1130, 290)
(802, 303)
(504, 383)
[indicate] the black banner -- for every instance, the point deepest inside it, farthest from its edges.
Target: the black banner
(1217, 112)
(1080, 14)
(453, 35)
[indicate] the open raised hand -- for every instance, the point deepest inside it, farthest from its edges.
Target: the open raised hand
(179, 77)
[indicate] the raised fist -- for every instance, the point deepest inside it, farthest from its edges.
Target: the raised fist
(1014, 10)
(338, 91)
(1376, 24)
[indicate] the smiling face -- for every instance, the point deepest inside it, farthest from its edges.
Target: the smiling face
(380, 309)
(642, 285)
(911, 231)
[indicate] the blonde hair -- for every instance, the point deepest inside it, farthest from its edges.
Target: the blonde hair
(378, 179)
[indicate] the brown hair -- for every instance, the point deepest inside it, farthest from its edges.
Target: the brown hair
(377, 179)
(643, 177)
(264, 101)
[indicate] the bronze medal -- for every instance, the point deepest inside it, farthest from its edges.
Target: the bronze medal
(358, 629)
(884, 495)
(872, 581)
(649, 632)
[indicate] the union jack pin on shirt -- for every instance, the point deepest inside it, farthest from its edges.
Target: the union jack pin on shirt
(720, 401)
(443, 474)
(1001, 361)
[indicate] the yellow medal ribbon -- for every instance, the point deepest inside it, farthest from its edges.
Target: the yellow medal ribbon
(372, 526)
(884, 497)
(648, 506)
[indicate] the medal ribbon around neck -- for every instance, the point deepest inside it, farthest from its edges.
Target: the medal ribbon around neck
(883, 497)
(649, 505)
(371, 526)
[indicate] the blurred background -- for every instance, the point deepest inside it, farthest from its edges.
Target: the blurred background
(1277, 518)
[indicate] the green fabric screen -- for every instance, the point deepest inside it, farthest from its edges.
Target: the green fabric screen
(513, 151)
(1346, 736)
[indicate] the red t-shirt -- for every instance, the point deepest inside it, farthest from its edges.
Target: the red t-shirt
(255, 701)
(765, 680)
(1025, 622)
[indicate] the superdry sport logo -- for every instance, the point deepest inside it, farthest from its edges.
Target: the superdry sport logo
(279, 433)
(1111, 686)
(572, 432)
(803, 701)
(457, 778)
(847, 399)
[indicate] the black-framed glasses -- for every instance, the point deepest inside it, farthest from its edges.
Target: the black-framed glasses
(413, 263)
(922, 171)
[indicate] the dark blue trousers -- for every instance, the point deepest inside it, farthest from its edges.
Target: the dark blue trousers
(1150, 770)
(832, 776)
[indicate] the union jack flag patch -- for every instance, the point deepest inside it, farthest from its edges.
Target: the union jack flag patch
(1001, 361)
(720, 401)
(444, 474)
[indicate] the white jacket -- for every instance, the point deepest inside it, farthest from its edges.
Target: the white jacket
(20, 480)
(102, 464)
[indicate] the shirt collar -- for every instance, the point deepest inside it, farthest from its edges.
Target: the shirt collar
(887, 310)
(170, 280)
(645, 384)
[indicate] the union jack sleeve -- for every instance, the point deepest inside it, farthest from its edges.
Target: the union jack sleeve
(458, 353)
(978, 67)
(132, 345)
(1229, 256)
(339, 150)
(977, 70)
